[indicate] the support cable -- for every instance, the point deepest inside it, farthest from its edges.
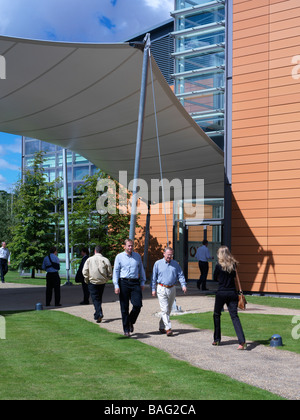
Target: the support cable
(158, 147)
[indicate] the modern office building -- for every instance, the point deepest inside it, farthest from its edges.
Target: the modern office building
(77, 169)
(237, 72)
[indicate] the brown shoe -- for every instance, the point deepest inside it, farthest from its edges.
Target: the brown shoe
(162, 331)
(169, 333)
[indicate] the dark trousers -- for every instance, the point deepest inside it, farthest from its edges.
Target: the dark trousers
(3, 268)
(203, 266)
(231, 299)
(130, 291)
(86, 293)
(96, 291)
(52, 283)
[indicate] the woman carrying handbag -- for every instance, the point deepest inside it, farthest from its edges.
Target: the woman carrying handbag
(225, 274)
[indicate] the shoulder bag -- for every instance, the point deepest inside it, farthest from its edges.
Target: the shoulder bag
(242, 300)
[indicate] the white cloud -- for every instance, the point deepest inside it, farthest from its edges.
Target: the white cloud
(15, 147)
(160, 4)
(4, 164)
(78, 20)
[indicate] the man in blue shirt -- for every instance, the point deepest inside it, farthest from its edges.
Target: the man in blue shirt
(129, 281)
(51, 265)
(203, 256)
(166, 272)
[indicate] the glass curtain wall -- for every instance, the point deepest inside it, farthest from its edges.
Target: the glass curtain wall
(78, 167)
(200, 63)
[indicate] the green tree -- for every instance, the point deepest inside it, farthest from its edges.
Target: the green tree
(6, 216)
(35, 218)
(89, 228)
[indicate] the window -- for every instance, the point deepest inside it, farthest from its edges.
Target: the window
(32, 147)
(80, 172)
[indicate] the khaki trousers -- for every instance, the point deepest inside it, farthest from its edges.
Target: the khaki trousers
(166, 298)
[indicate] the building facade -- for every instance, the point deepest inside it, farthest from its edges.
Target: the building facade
(237, 71)
(266, 144)
(77, 169)
(235, 66)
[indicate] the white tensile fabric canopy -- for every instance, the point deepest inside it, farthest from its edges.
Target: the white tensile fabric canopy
(85, 97)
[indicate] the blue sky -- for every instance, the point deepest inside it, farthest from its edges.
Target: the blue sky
(73, 21)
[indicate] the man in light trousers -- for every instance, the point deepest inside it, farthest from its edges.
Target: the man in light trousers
(166, 272)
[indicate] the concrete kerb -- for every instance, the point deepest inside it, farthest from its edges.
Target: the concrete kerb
(268, 368)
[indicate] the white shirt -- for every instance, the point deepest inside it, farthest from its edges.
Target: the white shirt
(203, 254)
(4, 253)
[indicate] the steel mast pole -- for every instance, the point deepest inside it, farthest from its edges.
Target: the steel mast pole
(66, 217)
(139, 139)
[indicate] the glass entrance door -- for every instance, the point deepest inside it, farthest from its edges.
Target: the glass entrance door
(188, 234)
(196, 234)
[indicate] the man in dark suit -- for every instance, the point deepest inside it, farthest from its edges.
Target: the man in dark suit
(80, 279)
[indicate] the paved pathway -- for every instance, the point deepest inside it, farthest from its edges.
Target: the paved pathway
(265, 367)
(268, 368)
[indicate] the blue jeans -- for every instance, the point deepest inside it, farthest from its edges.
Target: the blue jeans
(96, 291)
(130, 291)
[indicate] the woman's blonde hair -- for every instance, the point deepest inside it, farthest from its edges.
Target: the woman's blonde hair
(226, 259)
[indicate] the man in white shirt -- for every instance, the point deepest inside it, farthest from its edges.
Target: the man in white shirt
(4, 260)
(203, 256)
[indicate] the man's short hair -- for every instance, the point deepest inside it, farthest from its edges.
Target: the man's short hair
(128, 240)
(168, 248)
(98, 249)
(205, 242)
(85, 250)
(53, 249)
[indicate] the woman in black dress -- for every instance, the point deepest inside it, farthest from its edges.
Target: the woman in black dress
(225, 274)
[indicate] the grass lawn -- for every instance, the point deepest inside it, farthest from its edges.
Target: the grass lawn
(52, 355)
(14, 277)
(258, 328)
(274, 302)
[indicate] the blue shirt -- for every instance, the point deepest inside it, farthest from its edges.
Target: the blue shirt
(203, 254)
(47, 263)
(167, 273)
(128, 267)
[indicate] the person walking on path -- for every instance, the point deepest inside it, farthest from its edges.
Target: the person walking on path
(129, 282)
(4, 261)
(97, 271)
(166, 272)
(225, 275)
(51, 265)
(80, 279)
(203, 256)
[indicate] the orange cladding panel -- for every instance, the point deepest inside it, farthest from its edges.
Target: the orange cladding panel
(266, 144)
